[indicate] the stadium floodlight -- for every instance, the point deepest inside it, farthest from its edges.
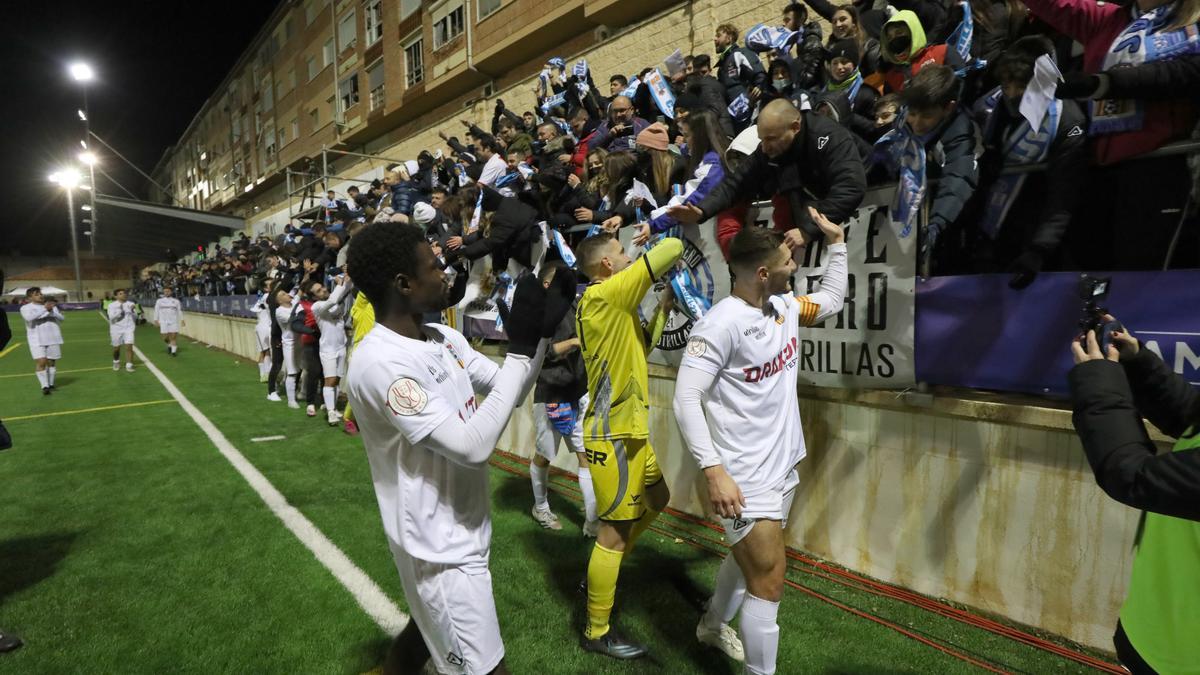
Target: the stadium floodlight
(68, 178)
(82, 116)
(82, 72)
(86, 207)
(88, 158)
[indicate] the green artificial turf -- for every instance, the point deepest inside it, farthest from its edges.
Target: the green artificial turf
(128, 544)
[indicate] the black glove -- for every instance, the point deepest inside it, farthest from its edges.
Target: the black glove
(1077, 85)
(1025, 268)
(499, 104)
(559, 297)
(523, 322)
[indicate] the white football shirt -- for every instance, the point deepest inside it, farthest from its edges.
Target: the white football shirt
(41, 326)
(331, 321)
(122, 316)
(263, 312)
(402, 389)
(283, 316)
(752, 409)
(168, 311)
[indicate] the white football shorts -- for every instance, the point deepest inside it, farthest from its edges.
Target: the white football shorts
(772, 504)
(165, 327)
(262, 334)
(121, 337)
(333, 365)
(547, 437)
(454, 608)
(289, 359)
(52, 352)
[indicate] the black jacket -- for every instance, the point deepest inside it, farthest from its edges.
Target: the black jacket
(950, 160)
(1109, 401)
(5, 329)
(512, 232)
(1157, 80)
(562, 380)
(740, 77)
(712, 94)
(822, 169)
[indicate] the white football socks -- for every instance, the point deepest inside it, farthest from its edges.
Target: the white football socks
(589, 492)
(539, 475)
(50, 375)
(728, 594)
(329, 394)
(43, 379)
(290, 385)
(760, 634)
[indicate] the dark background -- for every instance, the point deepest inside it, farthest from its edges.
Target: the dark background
(155, 62)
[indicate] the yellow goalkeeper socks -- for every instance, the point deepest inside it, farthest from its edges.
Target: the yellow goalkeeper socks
(603, 568)
(638, 528)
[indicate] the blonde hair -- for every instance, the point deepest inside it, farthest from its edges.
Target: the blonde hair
(1186, 12)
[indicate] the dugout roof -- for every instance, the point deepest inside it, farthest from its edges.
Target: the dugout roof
(131, 228)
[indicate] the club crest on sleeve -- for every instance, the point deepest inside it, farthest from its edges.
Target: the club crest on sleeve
(696, 347)
(406, 397)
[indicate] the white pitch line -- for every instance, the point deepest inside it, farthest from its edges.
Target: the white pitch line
(366, 592)
(262, 439)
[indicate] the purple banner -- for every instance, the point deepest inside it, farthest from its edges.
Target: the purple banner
(976, 332)
(229, 305)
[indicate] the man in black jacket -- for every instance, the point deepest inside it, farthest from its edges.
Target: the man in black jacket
(710, 92)
(803, 160)
(1156, 631)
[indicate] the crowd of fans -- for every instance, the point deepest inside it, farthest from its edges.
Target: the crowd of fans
(943, 100)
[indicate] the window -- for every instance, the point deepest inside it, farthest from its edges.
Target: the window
(347, 32)
(269, 144)
(374, 28)
(327, 53)
(237, 127)
(288, 29)
(268, 94)
(484, 8)
(311, 63)
(448, 27)
(348, 92)
(282, 136)
(414, 62)
(311, 9)
(407, 7)
(296, 127)
(315, 117)
(375, 84)
(289, 83)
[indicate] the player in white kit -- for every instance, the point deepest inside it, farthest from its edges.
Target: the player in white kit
(122, 319)
(168, 316)
(738, 411)
(330, 310)
(416, 390)
(283, 316)
(45, 339)
(262, 332)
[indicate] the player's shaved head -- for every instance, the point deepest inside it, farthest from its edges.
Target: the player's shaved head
(778, 125)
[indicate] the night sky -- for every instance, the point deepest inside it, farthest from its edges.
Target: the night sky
(156, 64)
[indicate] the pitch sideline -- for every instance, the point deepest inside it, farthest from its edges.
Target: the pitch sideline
(366, 592)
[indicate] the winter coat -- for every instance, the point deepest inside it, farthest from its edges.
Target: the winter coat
(739, 70)
(562, 380)
(822, 169)
(621, 142)
(513, 230)
(712, 94)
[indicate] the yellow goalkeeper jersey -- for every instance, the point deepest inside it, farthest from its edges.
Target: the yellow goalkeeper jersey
(614, 345)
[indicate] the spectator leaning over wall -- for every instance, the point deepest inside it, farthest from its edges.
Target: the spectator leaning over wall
(741, 72)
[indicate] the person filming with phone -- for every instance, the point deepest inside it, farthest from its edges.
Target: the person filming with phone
(1115, 383)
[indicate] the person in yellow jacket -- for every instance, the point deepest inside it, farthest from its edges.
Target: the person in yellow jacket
(362, 317)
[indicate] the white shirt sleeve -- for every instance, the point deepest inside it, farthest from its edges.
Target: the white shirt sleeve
(424, 416)
(57, 315)
(492, 171)
(116, 312)
(331, 308)
(816, 307)
(689, 413)
(707, 352)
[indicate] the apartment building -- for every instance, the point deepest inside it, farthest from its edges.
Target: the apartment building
(378, 76)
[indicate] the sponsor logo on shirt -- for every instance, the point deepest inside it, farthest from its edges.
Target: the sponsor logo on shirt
(785, 359)
(438, 374)
(696, 347)
(406, 397)
(596, 456)
(821, 142)
(1075, 131)
(751, 331)
(454, 659)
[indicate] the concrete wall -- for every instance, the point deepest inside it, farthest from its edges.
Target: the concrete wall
(983, 502)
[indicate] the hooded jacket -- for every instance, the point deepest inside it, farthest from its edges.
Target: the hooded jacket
(822, 169)
(898, 71)
(511, 235)
(739, 70)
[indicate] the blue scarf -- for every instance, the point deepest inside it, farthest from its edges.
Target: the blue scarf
(562, 417)
(851, 86)
(903, 152)
(1143, 41)
(960, 41)
(764, 38)
(1024, 145)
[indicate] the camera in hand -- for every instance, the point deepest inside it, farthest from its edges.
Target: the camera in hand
(1093, 291)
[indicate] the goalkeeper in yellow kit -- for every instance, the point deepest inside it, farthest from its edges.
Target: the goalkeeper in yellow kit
(630, 491)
